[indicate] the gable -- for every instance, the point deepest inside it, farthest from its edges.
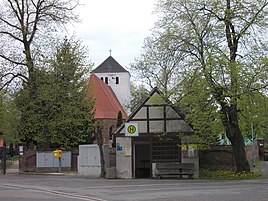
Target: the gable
(157, 115)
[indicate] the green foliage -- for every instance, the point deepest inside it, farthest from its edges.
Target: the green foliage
(9, 118)
(227, 174)
(159, 65)
(202, 111)
(119, 120)
(254, 112)
(138, 94)
(60, 115)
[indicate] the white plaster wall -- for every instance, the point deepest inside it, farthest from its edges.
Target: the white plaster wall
(123, 158)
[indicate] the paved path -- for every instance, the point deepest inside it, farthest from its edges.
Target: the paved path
(264, 169)
(14, 168)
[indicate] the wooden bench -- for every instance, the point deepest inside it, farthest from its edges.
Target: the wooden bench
(174, 169)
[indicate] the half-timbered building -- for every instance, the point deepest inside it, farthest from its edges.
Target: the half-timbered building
(153, 133)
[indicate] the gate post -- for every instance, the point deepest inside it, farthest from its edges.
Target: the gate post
(4, 165)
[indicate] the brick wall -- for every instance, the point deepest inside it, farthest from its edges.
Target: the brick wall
(217, 157)
(106, 125)
(75, 153)
(28, 161)
(222, 157)
(249, 152)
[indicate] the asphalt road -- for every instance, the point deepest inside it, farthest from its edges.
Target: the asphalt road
(14, 187)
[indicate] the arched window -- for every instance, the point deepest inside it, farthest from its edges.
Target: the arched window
(101, 78)
(106, 80)
(110, 133)
(117, 80)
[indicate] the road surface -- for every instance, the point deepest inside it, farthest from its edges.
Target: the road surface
(15, 187)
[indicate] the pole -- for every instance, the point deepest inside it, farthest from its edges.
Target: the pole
(59, 164)
(253, 146)
(4, 160)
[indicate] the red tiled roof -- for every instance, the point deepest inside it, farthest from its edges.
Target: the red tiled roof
(106, 105)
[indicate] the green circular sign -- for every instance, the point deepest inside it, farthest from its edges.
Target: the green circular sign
(131, 129)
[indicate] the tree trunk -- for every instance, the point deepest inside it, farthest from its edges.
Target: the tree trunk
(31, 68)
(102, 161)
(100, 144)
(235, 136)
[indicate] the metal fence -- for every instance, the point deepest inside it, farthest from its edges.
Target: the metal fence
(7, 158)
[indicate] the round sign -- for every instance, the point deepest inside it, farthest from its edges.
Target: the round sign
(131, 129)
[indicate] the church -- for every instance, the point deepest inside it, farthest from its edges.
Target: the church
(109, 85)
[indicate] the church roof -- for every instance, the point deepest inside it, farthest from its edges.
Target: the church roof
(110, 65)
(106, 105)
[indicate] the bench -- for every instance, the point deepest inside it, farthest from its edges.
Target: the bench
(174, 169)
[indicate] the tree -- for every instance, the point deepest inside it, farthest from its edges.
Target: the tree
(9, 118)
(24, 25)
(99, 138)
(224, 54)
(138, 94)
(60, 115)
(119, 120)
(159, 65)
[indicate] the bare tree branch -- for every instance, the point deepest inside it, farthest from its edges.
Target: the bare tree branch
(14, 76)
(11, 35)
(12, 61)
(21, 21)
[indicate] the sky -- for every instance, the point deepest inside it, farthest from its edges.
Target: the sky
(117, 25)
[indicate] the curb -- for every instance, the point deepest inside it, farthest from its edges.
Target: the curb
(47, 173)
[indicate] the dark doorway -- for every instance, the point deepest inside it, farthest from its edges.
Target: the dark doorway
(142, 161)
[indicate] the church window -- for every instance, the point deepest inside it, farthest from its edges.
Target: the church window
(106, 80)
(111, 133)
(101, 78)
(117, 80)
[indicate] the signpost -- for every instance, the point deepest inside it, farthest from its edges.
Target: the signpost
(132, 129)
(58, 154)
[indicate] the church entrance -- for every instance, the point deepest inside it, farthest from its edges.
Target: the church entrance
(142, 162)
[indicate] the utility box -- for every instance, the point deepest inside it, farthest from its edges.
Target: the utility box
(89, 161)
(57, 153)
(46, 162)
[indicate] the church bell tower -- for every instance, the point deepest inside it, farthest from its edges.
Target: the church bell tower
(118, 78)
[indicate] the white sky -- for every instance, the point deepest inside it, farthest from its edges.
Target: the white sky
(119, 25)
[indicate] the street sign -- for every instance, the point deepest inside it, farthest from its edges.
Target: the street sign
(131, 129)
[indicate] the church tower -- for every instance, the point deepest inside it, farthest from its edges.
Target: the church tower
(118, 78)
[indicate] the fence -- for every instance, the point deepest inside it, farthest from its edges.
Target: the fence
(7, 158)
(28, 160)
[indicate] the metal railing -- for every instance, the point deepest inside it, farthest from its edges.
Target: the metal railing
(7, 158)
